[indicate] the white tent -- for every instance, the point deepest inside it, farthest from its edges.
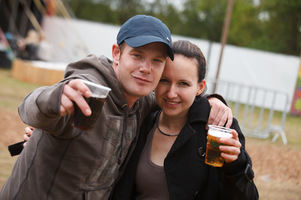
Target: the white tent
(74, 39)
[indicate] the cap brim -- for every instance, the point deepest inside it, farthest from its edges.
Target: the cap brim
(143, 40)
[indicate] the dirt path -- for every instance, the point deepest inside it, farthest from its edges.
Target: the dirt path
(12, 128)
(277, 167)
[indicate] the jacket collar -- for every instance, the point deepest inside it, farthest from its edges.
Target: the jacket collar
(199, 110)
(198, 113)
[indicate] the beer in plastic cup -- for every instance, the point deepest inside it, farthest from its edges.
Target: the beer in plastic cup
(98, 96)
(213, 154)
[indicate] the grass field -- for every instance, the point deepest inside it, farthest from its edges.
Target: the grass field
(277, 167)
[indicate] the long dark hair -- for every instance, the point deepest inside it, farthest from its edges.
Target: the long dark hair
(190, 50)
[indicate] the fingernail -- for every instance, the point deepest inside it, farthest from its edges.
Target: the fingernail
(88, 112)
(88, 93)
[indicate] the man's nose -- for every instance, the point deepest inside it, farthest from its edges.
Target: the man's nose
(145, 67)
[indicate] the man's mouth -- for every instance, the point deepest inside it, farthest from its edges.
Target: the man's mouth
(141, 79)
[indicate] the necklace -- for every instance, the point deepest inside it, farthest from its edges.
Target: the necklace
(166, 133)
(162, 131)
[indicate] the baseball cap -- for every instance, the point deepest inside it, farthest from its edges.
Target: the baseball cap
(144, 29)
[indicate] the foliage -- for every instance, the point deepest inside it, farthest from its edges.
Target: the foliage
(282, 30)
(272, 25)
(95, 11)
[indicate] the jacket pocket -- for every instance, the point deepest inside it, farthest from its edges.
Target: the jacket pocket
(113, 147)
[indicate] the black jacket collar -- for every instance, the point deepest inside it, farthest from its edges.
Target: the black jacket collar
(199, 110)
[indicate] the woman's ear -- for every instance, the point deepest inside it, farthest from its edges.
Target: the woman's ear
(116, 53)
(202, 87)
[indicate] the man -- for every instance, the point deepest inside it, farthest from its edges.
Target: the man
(63, 162)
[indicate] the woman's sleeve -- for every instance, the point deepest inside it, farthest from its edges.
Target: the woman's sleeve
(237, 177)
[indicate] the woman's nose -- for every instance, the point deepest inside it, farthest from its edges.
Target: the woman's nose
(172, 92)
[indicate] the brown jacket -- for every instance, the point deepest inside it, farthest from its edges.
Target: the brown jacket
(62, 162)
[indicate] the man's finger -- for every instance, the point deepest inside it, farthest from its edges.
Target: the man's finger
(229, 121)
(213, 116)
(78, 85)
(67, 106)
(73, 94)
(63, 111)
(221, 118)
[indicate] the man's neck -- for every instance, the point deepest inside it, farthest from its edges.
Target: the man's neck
(130, 99)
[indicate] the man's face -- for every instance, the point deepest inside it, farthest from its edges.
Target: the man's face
(139, 69)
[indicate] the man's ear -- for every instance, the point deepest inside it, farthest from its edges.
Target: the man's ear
(116, 53)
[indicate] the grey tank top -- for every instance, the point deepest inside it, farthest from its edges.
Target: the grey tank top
(150, 178)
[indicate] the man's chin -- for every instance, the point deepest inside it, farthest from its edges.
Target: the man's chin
(141, 92)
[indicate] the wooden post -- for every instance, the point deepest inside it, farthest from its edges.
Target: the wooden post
(224, 39)
(296, 102)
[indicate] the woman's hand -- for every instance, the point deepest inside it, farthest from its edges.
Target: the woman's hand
(231, 149)
(26, 136)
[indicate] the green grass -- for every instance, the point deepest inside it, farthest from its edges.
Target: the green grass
(12, 91)
(6, 165)
(292, 124)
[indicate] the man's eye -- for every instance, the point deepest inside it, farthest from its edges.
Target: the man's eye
(136, 55)
(158, 60)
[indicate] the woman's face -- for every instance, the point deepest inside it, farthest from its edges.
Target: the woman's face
(178, 86)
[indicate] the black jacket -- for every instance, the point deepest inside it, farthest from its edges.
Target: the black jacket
(188, 177)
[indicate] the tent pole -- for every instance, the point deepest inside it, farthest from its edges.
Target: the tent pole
(224, 39)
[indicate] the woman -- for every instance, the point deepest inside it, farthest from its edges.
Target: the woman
(168, 162)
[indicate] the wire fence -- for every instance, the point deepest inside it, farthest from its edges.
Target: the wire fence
(255, 108)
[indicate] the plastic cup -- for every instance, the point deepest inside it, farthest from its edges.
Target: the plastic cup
(98, 96)
(213, 154)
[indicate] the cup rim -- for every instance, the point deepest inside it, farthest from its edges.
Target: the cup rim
(96, 85)
(219, 131)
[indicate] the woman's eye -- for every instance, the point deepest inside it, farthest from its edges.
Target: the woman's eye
(184, 84)
(163, 80)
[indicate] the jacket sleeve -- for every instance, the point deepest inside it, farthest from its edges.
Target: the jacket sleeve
(237, 177)
(220, 97)
(41, 108)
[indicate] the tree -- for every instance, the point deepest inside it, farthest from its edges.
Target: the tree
(273, 25)
(213, 12)
(281, 32)
(245, 25)
(93, 10)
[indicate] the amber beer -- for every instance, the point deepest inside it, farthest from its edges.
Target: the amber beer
(213, 154)
(86, 123)
(95, 102)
